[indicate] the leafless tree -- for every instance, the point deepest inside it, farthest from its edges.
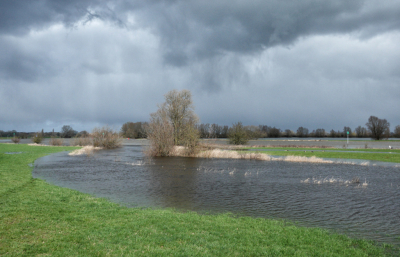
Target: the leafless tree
(180, 110)
(67, 131)
(378, 127)
(160, 133)
(174, 124)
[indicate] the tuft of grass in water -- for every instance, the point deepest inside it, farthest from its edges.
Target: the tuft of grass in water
(38, 219)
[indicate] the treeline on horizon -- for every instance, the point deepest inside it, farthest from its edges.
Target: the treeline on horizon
(138, 130)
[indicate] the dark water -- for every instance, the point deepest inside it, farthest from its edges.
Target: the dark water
(319, 195)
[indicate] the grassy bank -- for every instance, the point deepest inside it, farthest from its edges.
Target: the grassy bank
(384, 155)
(37, 218)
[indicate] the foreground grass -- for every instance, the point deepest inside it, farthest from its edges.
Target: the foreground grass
(40, 219)
(383, 155)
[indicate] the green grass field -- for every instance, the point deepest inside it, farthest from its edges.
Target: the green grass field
(39, 219)
(384, 155)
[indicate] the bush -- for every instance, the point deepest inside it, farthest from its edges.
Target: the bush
(237, 134)
(106, 137)
(37, 138)
(81, 141)
(56, 141)
(160, 133)
(16, 140)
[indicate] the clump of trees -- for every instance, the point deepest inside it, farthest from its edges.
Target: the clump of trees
(212, 130)
(134, 130)
(237, 134)
(361, 132)
(378, 128)
(302, 132)
(174, 124)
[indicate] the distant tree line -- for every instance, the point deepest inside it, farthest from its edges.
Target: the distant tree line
(375, 128)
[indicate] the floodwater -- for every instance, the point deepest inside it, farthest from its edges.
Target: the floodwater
(310, 194)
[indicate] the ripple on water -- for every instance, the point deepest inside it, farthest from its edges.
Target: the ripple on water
(312, 194)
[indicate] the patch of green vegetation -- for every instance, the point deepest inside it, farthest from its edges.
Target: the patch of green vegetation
(326, 149)
(37, 218)
(382, 155)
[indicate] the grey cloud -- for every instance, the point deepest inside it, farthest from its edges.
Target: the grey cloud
(200, 29)
(20, 17)
(193, 30)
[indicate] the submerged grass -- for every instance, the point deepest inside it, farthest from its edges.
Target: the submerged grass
(383, 155)
(38, 219)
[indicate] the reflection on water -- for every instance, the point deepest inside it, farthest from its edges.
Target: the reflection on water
(323, 195)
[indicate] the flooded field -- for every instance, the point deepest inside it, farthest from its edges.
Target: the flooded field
(360, 201)
(354, 143)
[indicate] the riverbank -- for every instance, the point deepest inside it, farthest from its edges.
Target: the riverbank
(41, 219)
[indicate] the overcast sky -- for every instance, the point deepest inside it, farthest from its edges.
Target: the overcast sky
(283, 63)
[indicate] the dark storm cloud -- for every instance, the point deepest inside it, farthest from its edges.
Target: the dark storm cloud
(192, 30)
(279, 62)
(200, 29)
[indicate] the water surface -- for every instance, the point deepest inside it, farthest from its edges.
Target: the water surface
(318, 195)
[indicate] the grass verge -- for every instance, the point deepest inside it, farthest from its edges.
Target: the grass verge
(383, 155)
(38, 219)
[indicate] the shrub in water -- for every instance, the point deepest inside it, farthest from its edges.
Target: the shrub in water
(56, 141)
(81, 141)
(237, 134)
(106, 137)
(16, 140)
(37, 138)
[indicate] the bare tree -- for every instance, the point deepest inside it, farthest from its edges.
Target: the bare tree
(174, 124)
(361, 131)
(180, 110)
(160, 133)
(67, 131)
(378, 127)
